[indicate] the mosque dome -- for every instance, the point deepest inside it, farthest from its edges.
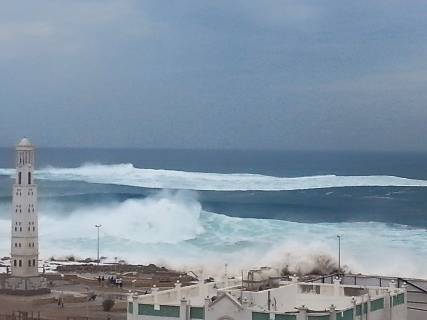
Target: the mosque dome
(25, 143)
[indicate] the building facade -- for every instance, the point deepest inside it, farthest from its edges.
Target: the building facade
(24, 278)
(290, 301)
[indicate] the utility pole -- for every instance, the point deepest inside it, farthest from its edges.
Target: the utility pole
(339, 254)
(98, 226)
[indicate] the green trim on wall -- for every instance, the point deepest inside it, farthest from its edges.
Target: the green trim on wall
(359, 309)
(377, 304)
(165, 311)
(346, 315)
(260, 316)
(399, 299)
(285, 317)
(197, 313)
(324, 317)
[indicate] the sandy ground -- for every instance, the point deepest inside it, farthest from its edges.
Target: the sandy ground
(91, 309)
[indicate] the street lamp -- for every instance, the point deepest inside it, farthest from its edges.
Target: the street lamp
(98, 226)
(339, 254)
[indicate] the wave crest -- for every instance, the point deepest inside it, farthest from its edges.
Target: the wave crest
(170, 228)
(127, 174)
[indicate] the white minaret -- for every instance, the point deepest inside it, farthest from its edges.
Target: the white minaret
(25, 249)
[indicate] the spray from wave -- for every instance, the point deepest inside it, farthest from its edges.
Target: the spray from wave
(170, 228)
(128, 175)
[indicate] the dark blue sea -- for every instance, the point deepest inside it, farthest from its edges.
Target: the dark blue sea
(205, 208)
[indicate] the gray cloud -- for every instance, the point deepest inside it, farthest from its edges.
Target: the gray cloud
(215, 74)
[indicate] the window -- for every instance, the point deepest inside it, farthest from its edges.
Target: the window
(34, 229)
(29, 177)
(20, 263)
(19, 245)
(19, 177)
(20, 228)
(34, 262)
(16, 229)
(29, 263)
(16, 244)
(14, 263)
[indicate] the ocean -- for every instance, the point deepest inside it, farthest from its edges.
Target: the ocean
(199, 209)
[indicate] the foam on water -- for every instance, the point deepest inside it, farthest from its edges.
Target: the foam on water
(171, 228)
(127, 174)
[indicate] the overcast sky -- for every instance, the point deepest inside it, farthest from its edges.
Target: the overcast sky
(215, 74)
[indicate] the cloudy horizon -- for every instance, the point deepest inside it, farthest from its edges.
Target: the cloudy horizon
(239, 74)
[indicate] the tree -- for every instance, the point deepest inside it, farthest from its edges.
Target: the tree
(108, 304)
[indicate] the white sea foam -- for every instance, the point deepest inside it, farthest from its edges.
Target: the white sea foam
(170, 228)
(127, 174)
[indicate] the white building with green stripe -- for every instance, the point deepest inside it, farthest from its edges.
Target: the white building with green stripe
(290, 301)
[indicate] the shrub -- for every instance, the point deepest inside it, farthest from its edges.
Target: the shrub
(108, 304)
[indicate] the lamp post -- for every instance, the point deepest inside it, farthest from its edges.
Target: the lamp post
(339, 254)
(98, 226)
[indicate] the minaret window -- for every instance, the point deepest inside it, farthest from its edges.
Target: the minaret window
(14, 263)
(29, 177)
(20, 263)
(19, 177)
(34, 262)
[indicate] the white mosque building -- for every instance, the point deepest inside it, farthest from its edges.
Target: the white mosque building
(289, 300)
(24, 278)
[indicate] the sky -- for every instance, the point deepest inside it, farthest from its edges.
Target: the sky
(268, 74)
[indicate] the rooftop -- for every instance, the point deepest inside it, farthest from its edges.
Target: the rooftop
(287, 297)
(25, 143)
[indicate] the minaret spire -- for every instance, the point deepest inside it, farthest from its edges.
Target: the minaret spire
(24, 246)
(24, 278)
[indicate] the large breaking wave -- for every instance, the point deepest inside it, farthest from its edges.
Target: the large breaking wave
(170, 228)
(127, 174)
